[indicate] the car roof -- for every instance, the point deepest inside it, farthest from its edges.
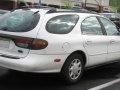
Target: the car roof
(51, 10)
(56, 10)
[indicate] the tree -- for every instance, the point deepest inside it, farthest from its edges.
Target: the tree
(118, 10)
(115, 3)
(66, 4)
(18, 1)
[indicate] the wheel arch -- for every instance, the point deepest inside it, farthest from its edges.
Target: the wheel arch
(80, 53)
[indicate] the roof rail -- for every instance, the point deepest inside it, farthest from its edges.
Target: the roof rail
(37, 6)
(52, 10)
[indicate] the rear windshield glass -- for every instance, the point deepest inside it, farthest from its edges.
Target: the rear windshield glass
(62, 24)
(19, 21)
(2, 13)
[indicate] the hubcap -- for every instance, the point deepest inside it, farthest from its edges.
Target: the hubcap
(75, 69)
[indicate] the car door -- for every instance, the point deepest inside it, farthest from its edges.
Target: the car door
(95, 42)
(114, 39)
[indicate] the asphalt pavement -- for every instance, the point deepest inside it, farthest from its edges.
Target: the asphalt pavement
(98, 77)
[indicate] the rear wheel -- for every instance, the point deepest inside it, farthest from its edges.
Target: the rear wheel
(73, 69)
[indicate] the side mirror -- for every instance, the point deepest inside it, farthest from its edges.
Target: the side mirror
(112, 18)
(118, 28)
(118, 33)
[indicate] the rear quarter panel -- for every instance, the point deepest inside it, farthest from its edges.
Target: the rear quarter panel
(72, 41)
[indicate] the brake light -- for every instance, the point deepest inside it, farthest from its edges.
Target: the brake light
(38, 44)
(25, 8)
(24, 43)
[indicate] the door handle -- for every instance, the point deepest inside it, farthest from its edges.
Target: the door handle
(88, 42)
(112, 41)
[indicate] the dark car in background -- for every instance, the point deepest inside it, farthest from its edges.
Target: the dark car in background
(115, 17)
(84, 10)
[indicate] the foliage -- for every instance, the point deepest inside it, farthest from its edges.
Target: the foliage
(18, 1)
(66, 4)
(115, 3)
(118, 10)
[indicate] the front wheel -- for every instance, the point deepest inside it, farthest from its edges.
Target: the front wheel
(73, 69)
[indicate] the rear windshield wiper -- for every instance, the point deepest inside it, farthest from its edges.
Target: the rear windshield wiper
(36, 12)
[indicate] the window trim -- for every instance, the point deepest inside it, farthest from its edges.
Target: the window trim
(46, 27)
(99, 23)
(104, 26)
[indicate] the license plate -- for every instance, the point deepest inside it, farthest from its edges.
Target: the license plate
(5, 43)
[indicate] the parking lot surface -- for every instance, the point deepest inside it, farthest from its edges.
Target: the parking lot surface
(13, 80)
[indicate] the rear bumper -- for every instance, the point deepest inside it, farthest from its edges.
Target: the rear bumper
(35, 63)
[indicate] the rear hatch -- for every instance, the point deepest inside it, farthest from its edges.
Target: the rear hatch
(18, 29)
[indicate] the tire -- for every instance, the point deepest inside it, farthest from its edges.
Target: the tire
(73, 69)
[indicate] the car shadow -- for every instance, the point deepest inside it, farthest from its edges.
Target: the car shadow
(14, 80)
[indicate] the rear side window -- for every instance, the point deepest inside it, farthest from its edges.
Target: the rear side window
(91, 26)
(19, 21)
(110, 28)
(62, 24)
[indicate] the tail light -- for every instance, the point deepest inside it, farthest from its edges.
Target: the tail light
(34, 44)
(38, 44)
(28, 43)
(25, 8)
(24, 43)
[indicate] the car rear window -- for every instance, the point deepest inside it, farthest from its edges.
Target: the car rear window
(2, 13)
(62, 24)
(19, 21)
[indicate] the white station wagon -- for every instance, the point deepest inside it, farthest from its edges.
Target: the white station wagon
(57, 41)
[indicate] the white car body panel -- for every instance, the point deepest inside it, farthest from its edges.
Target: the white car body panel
(96, 47)
(113, 48)
(35, 63)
